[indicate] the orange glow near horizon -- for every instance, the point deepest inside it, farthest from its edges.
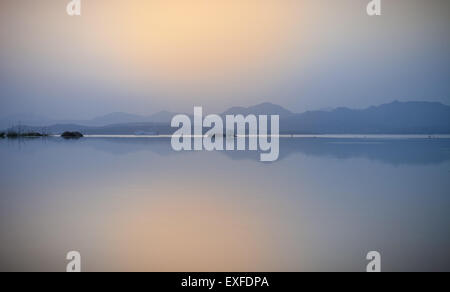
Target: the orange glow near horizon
(157, 51)
(189, 41)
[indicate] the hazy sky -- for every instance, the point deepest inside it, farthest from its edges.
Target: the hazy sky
(142, 56)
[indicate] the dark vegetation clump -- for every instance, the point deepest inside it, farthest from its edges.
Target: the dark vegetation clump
(12, 135)
(72, 135)
(33, 135)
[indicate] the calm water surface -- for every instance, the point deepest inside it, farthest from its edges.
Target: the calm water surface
(132, 204)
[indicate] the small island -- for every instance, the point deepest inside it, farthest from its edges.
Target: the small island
(19, 134)
(72, 135)
(15, 135)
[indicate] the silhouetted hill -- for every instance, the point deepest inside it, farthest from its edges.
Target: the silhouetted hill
(394, 118)
(260, 109)
(114, 118)
(32, 120)
(116, 129)
(29, 119)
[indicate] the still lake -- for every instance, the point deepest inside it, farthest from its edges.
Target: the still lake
(133, 204)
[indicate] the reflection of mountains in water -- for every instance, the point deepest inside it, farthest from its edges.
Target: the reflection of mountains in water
(123, 146)
(391, 151)
(397, 152)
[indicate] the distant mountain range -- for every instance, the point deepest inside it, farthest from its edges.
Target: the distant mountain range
(33, 120)
(260, 109)
(394, 118)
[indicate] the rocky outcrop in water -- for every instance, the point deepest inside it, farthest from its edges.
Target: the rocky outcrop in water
(72, 135)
